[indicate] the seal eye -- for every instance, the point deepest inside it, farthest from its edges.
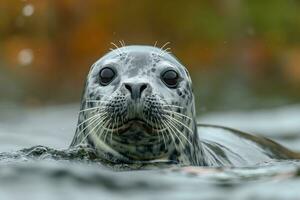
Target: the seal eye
(170, 78)
(106, 76)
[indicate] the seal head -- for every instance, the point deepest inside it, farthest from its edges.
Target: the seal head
(138, 105)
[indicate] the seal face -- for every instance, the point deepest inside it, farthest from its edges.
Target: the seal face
(138, 105)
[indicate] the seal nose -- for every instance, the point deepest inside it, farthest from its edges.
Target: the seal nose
(136, 89)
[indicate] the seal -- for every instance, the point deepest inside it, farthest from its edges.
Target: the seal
(138, 107)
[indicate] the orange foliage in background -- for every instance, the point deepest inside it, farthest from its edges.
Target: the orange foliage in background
(49, 45)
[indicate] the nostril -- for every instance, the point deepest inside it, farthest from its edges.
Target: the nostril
(136, 89)
(142, 88)
(128, 87)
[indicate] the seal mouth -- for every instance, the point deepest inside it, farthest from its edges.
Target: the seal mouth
(138, 123)
(143, 124)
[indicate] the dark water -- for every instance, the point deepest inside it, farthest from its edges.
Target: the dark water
(52, 172)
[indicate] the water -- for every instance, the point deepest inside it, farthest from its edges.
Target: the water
(49, 171)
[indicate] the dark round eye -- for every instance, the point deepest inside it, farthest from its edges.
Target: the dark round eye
(106, 75)
(170, 78)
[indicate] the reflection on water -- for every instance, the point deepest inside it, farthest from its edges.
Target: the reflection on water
(49, 173)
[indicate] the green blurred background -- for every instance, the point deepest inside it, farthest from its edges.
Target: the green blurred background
(241, 54)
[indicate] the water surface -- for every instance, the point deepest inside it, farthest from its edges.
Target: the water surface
(49, 171)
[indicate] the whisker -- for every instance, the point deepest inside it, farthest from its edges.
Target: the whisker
(91, 131)
(174, 106)
(167, 126)
(113, 50)
(90, 118)
(117, 48)
(163, 50)
(188, 128)
(99, 128)
(167, 49)
(106, 130)
(114, 45)
(164, 139)
(176, 130)
(113, 127)
(164, 105)
(167, 43)
(174, 125)
(103, 95)
(97, 101)
(95, 118)
(159, 133)
(178, 114)
(122, 43)
(103, 131)
(93, 108)
(87, 126)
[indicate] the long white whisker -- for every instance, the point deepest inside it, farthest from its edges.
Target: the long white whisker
(174, 125)
(122, 43)
(165, 105)
(117, 48)
(176, 130)
(98, 101)
(160, 132)
(90, 118)
(167, 43)
(87, 126)
(178, 114)
(104, 95)
(91, 131)
(167, 49)
(105, 122)
(175, 106)
(113, 50)
(106, 130)
(163, 50)
(113, 128)
(167, 126)
(99, 128)
(188, 128)
(91, 121)
(93, 108)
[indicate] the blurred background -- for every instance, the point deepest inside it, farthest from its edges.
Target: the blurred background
(241, 54)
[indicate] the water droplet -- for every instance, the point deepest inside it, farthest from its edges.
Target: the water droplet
(28, 10)
(25, 57)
